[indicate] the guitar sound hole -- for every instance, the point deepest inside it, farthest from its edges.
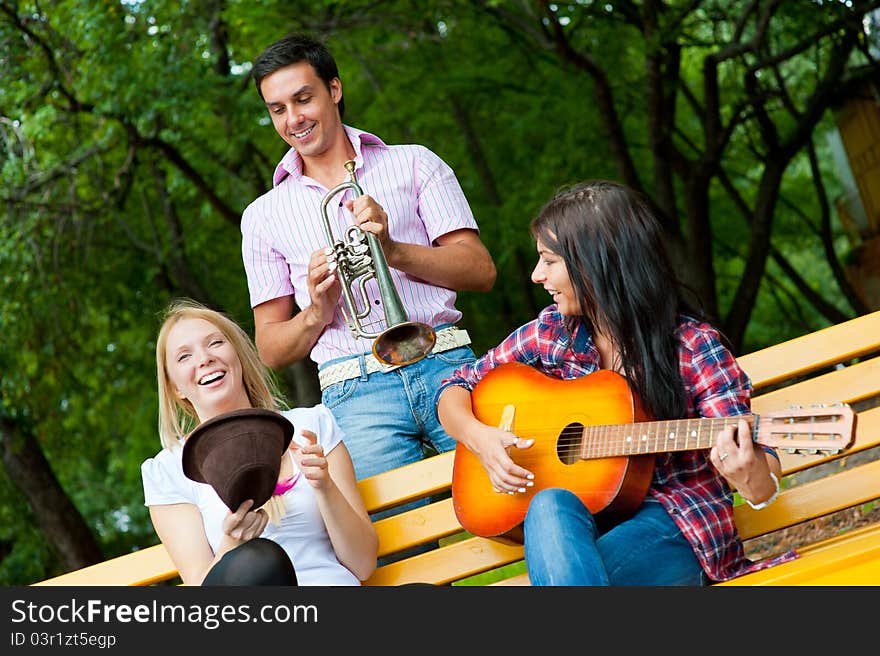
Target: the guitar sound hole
(568, 446)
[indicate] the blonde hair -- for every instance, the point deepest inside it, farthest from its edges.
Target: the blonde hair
(275, 508)
(177, 416)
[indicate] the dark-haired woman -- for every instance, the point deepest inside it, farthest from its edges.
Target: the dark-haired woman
(617, 305)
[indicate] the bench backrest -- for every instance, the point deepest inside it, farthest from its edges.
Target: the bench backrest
(837, 364)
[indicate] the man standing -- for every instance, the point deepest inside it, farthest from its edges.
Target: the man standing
(413, 203)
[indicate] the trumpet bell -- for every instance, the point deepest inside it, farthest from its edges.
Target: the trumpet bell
(404, 343)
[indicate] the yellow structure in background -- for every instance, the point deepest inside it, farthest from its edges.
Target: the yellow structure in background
(858, 122)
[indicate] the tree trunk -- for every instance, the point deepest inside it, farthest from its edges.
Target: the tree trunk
(699, 267)
(759, 249)
(301, 379)
(490, 188)
(63, 525)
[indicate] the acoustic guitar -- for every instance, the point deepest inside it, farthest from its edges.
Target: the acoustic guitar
(592, 437)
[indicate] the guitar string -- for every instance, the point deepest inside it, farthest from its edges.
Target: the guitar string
(621, 441)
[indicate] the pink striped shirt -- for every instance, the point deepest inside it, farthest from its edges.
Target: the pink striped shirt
(282, 228)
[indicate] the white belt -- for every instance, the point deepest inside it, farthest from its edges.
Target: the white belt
(447, 338)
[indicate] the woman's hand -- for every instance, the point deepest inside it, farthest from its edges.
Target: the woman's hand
(489, 443)
(746, 468)
(245, 524)
(494, 452)
(311, 461)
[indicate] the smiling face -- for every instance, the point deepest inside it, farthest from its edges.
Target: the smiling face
(303, 109)
(204, 368)
(551, 273)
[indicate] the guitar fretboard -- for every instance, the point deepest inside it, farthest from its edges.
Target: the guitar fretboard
(654, 436)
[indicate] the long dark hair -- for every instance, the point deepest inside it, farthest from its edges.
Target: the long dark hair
(612, 246)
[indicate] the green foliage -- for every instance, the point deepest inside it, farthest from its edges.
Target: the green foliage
(494, 575)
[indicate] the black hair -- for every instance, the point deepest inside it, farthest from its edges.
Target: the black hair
(612, 246)
(292, 49)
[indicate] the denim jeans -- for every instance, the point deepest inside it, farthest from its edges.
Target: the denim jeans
(564, 546)
(390, 419)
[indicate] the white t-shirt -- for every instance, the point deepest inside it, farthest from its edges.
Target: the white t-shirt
(301, 532)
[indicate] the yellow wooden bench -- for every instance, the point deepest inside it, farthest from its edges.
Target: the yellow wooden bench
(839, 363)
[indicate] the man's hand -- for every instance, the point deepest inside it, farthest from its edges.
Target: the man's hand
(370, 217)
(324, 286)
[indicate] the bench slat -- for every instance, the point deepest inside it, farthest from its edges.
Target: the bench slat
(852, 558)
(413, 527)
(519, 579)
(848, 488)
(449, 563)
(849, 559)
(838, 343)
(142, 567)
(417, 480)
(847, 385)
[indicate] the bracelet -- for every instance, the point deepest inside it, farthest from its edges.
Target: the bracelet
(764, 504)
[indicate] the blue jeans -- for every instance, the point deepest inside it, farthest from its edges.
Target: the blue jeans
(389, 419)
(564, 546)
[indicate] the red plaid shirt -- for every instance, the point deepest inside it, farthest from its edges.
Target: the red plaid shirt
(695, 495)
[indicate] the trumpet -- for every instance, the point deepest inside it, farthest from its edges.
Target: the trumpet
(359, 259)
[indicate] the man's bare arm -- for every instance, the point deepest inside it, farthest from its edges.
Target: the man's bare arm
(459, 261)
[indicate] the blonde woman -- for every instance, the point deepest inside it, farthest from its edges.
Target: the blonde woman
(315, 530)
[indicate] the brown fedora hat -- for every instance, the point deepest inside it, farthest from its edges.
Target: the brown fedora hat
(239, 454)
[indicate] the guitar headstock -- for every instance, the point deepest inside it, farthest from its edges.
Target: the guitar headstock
(820, 428)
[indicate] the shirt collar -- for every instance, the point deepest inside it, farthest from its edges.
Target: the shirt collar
(583, 339)
(291, 163)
